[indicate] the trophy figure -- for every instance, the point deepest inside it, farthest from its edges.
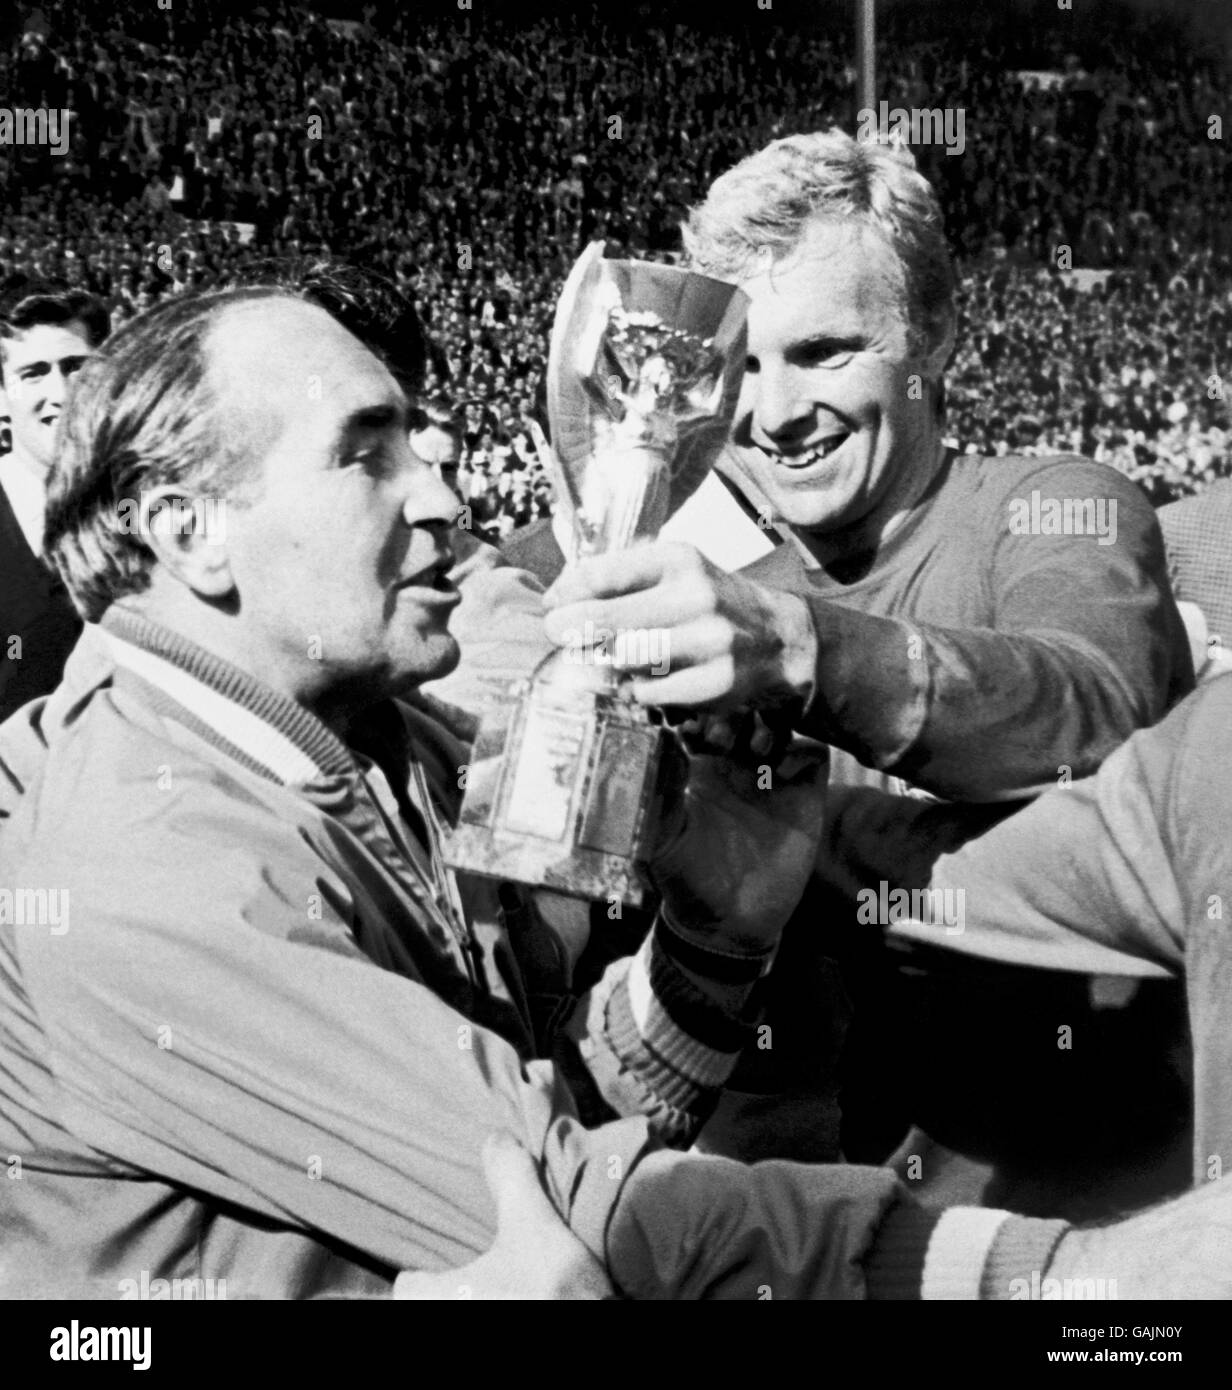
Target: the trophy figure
(643, 376)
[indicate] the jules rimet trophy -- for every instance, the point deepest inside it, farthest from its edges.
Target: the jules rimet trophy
(643, 376)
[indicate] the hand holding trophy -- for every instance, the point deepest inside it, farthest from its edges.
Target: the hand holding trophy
(643, 376)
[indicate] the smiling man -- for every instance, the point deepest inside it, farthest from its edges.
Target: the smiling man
(957, 662)
(46, 335)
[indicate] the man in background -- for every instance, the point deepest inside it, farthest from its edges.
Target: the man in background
(46, 334)
(436, 437)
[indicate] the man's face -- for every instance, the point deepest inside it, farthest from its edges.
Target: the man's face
(39, 364)
(436, 445)
(441, 449)
(826, 427)
(340, 555)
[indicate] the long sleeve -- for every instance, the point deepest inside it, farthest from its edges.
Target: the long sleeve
(226, 1024)
(697, 1226)
(1127, 872)
(1083, 645)
(1114, 874)
(664, 1029)
(205, 1027)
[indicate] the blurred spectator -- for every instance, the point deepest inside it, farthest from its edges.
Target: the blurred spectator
(436, 437)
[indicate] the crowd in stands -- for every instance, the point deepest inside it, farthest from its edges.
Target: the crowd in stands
(1127, 372)
(471, 156)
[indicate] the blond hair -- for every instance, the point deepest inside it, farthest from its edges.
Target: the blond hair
(762, 209)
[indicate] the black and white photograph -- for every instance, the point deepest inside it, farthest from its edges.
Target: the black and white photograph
(616, 663)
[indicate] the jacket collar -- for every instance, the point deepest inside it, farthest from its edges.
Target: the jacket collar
(267, 728)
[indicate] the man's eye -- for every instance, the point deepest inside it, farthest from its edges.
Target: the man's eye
(365, 458)
(825, 355)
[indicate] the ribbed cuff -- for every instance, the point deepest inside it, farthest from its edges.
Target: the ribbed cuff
(727, 967)
(894, 1267)
(1020, 1256)
(677, 1075)
(958, 1252)
(689, 1009)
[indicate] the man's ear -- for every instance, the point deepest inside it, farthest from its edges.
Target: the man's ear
(187, 534)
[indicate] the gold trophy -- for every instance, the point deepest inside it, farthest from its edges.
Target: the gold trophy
(643, 377)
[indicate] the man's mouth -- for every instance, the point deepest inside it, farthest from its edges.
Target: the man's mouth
(809, 458)
(436, 577)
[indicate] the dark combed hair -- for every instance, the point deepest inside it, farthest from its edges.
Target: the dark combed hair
(437, 410)
(364, 302)
(26, 303)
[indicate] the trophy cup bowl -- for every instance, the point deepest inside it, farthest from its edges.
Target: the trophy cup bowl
(644, 373)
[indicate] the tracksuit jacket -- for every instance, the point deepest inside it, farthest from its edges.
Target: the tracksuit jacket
(258, 1035)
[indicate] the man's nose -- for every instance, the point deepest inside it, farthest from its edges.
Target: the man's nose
(428, 499)
(55, 388)
(780, 408)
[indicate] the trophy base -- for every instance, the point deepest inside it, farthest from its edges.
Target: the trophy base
(577, 872)
(559, 791)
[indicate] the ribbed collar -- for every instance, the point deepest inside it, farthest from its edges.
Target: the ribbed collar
(271, 729)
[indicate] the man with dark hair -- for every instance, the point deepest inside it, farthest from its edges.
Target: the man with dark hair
(365, 302)
(436, 437)
(46, 334)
